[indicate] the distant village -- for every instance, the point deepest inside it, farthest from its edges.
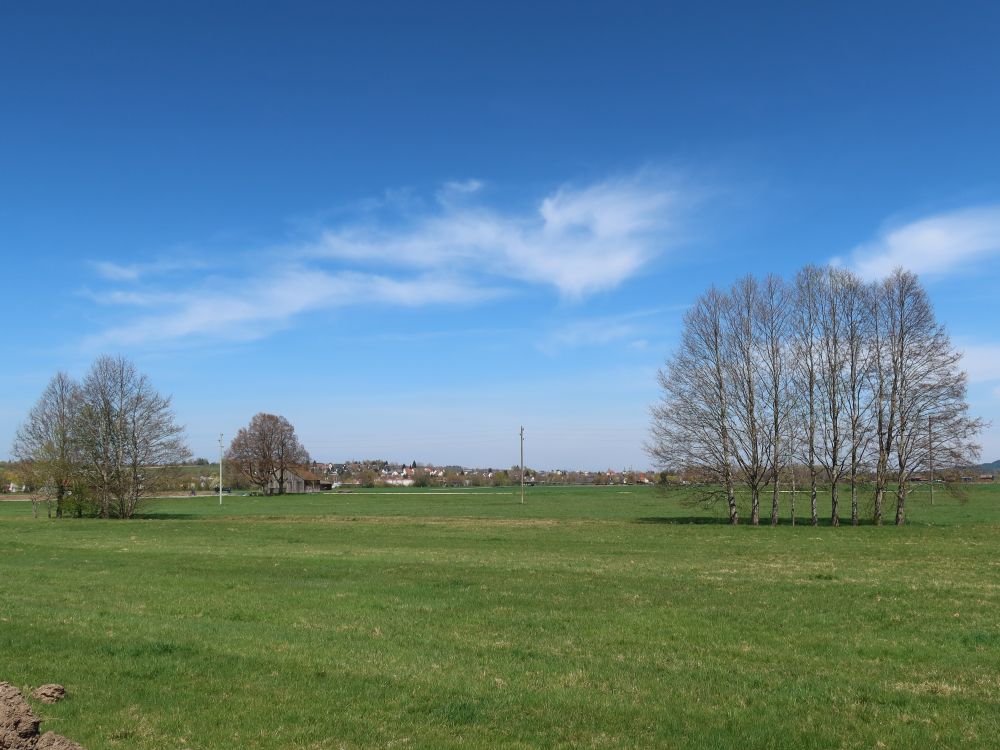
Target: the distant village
(327, 476)
(320, 476)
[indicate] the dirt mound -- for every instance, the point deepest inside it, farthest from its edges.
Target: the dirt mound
(49, 693)
(19, 725)
(53, 741)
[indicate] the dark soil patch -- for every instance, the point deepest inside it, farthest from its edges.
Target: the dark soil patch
(19, 725)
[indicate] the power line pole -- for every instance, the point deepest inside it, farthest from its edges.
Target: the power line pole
(522, 464)
(220, 468)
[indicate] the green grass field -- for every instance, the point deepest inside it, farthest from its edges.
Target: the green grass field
(588, 617)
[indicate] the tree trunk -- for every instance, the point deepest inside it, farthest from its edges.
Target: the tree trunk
(854, 496)
(792, 500)
(814, 515)
(734, 514)
(755, 505)
(901, 503)
(835, 503)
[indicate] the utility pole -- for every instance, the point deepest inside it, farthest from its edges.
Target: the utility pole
(930, 453)
(220, 468)
(522, 464)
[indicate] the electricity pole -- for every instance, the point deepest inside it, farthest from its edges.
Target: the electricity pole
(522, 464)
(220, 468)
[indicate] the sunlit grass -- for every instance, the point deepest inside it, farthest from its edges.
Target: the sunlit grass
(584, 618)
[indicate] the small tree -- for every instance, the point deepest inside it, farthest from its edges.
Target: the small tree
(265, 449)
(44, 443)
(125, 435)
(367, 478)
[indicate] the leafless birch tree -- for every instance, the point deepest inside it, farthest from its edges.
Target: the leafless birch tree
(927, 384)
(808, 283)
(856, 312)
(773, 316)
(833, 385)
(749, 427)
(690, 424)
(828, 372)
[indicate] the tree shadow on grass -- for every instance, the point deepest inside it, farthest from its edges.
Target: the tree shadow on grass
(765, 522)
(156, 516)
(682, 520)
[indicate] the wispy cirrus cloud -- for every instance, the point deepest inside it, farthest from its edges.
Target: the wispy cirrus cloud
(255, 309)
(941, 244)
(628, 329)
(137, 271)
(578, 240)
(456, 248)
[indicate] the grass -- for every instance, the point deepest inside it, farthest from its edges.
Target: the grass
(588, 617)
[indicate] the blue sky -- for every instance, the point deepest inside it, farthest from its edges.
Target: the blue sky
(411, 228)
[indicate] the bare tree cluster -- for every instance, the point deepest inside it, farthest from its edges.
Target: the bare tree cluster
(841, 379)
(107, 442)
(265, 449)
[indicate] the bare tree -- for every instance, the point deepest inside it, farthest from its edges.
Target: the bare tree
(833, 386)
(773, 322)
(807, 357)
(748, 425)
(883, 388)
(290, 452)
(252, 450)
(831, 370)
(927, 384)
(44, 443)
(856, 313)
(690, 424)
(265, 449)
(126, 436)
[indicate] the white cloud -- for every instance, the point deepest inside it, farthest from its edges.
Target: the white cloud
(456, 189)
(116, 272)
(403, 251)
(136, 271)
(936, 245)
(602, 331)
(133, 298)
(579, 240)
(255, 309)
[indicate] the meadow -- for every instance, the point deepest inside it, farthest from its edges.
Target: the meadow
(603, 617)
